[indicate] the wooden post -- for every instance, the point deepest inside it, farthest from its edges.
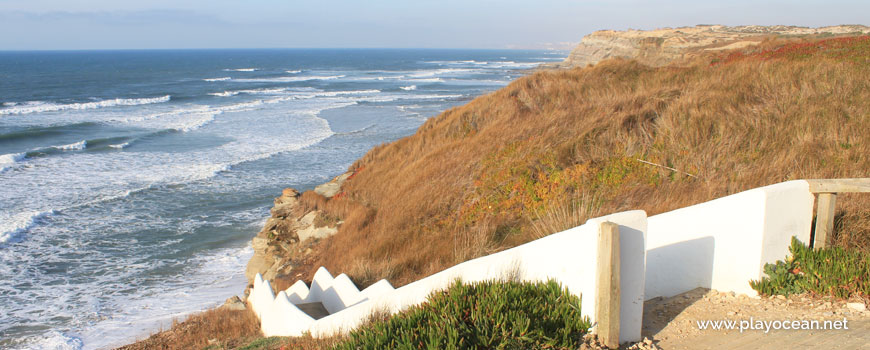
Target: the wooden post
(824, 219)
(608, 291)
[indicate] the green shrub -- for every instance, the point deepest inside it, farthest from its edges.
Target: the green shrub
(262, 343)
(486, 315)
(829, 271)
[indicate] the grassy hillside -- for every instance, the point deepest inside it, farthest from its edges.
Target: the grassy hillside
(555, 147)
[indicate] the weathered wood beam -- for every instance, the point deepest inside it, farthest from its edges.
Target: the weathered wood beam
(824, 219)
(839, 185)
(607, 303)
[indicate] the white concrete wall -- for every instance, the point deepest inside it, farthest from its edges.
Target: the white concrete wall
(721, 244)
(568, 257)
(277, 314)
(724, 243)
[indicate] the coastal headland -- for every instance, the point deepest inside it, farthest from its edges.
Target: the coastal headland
(651, 120)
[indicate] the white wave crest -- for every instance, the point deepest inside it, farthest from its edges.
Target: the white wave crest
(349, 92)
(225, 93)
(200, 120)
(514, 65)
(290, 79)
(41, 107)
(241, 69)
(7, 160)
(217, 79)
(409, 88)
(78, 146)
(293, 71)
(120, 145)
(13, 226)
(443, 71)
(430, 80)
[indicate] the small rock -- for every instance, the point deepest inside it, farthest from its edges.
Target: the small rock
(647, 341)
(856, 306)
(827, 314)
(731, 313)
(234, 303)
(780, 297)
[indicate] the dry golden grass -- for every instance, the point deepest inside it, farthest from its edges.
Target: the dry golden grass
(557, 147)
(483, 176)
(219, 327)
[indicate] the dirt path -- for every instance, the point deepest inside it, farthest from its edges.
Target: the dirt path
(672, 323)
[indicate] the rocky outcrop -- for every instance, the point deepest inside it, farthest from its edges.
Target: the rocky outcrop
(287, 231)
(662, 46)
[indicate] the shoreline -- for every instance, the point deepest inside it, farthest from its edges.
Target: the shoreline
(334, 117)
(297, 218)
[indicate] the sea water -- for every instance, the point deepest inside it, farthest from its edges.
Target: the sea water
(131, 182)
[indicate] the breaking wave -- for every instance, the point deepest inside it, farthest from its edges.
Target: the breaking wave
(217, 79)
(41, 107)
(7, 160)
(241, 69)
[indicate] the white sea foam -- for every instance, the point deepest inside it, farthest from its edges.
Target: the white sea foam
(111, 307)
(289, 79)
(224, 94)
(199, 120)
(120, 145)
(55, 340)
(443, 71)
(294, 71)
(429, 97)
(514, 65)
(41, 107)
(409, 88)
(212, 277)
(217, 79)
(11, 227)
(488, 64)
(7, 160)
(429, 80)
(230, 93)
(460, 62)
(78, 146)
(349, 92)
(241, 69)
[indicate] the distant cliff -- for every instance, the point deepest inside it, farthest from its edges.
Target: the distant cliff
(663, 46)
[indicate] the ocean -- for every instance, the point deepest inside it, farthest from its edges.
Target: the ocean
(131, 182)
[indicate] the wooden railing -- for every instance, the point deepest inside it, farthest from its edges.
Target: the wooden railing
(826, 191)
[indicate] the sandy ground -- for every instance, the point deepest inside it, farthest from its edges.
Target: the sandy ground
(672, 323)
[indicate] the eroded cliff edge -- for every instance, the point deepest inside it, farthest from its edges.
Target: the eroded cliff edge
(667, 45)
(290, 230)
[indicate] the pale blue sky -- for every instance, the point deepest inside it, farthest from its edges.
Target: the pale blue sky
(143, 24)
